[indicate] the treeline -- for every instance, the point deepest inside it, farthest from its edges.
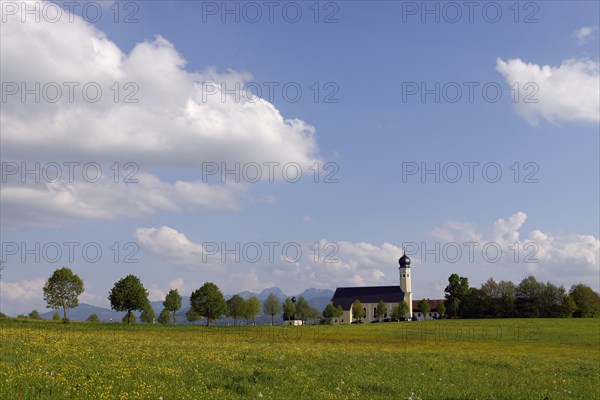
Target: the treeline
(528, 299)
(63, 289)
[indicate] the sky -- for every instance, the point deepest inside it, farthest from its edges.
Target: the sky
(297, 144)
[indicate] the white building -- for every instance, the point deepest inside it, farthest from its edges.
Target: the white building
(370, 296)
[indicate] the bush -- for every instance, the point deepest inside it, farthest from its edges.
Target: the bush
(93, 318)
(35, 315)
(133, 319)
(56, 316)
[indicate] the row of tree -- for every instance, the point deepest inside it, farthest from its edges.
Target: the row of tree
(63, 288)
(529, 298)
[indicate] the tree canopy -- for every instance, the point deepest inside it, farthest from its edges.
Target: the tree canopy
(208, 301)
(62, 290)
(128, 294)
(271, 306)
(172, 302)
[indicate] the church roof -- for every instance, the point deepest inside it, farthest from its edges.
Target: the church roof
(345, 296)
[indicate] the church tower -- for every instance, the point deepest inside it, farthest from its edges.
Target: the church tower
(405, 284)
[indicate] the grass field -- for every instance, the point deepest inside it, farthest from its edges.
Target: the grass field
(450, 359)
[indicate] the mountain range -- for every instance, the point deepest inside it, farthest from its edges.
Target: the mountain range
(318, 298)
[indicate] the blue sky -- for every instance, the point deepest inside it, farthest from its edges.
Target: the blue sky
(366, 61)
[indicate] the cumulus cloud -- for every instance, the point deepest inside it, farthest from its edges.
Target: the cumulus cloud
(53, 204)
(547, 247)
(164, 116)
(325, 264)
(564, 93)
(23, 292)
(585, 34)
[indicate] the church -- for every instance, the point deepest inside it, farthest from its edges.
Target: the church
(370, 296)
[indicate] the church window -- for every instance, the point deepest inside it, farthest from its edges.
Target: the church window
(407, 275)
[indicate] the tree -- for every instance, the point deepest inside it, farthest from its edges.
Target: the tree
(358, 311)
(34, 314)
(128, 294)
(424, 308)
(93, 318)
(586, 300)
(208, 302)
(404, 309)
(441, 309)
(313, 314)
(192, 316)
(271, 306)
(302, 308)
(339, 311)
(400, 311)
(148, 315)
(56, 316)
(381, 310)
(129, 319)
(456, 291)
(554, 302)
(252, 308)
(62, 290)
(528, 296)
(329, 312)
(289, 309)
(164, 317)
(172, 302)
(507, 299)
(236, 307)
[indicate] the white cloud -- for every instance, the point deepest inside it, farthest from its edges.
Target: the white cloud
(24, 291)
(564, 93)
(552, 251)
(174, 124)
(585, 34)
(172, 245)
(53, 204)
(335, 264)
(307, 218)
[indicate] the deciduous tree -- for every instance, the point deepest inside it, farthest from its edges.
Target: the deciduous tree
(271, 306)
(424, 308)
(172, 302)
(164, 317)
(128, 294)
(148, 315)
(586, 300)
(208, 302)
(358, 311)
(62, 290)
(235, 308)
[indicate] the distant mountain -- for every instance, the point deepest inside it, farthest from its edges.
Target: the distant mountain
(272, 290)
(318, 298)
(83, 311)
(316, 293)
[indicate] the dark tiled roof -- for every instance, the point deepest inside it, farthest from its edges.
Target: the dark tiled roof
(345, 296)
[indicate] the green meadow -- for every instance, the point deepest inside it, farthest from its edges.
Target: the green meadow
(446, 359)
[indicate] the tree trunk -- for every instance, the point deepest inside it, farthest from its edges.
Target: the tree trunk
(128, 317)
(173, 317)
(64, 311)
